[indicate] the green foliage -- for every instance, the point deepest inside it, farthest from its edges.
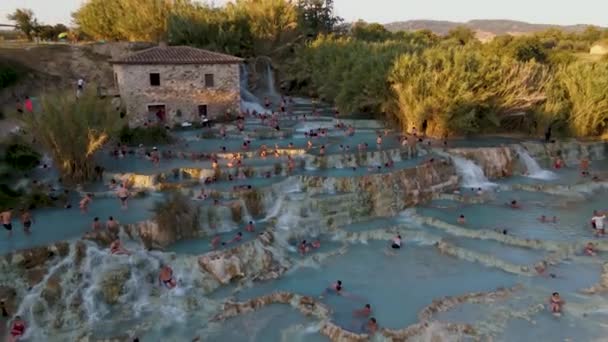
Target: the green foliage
(125, 19)
(462, 35)
(49, 32)
(21, 157)
(317, 17)
(72, 130)
(462, 90)
(527, 49)
(580, 91)
(373, 32)
(349, 72)
(177, 211)
(25, 21)
(154, 135)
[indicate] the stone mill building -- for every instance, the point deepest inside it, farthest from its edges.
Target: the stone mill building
(177, 84)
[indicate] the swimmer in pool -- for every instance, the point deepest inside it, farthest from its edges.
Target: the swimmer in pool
(365, 312)
(84, 203)
(17, 329)
(514, 205)
(238, 237)
(590, 249)
(556, 303)
(461, 219)
(335, 288)
(117, 248)
(396, 242)
(303, 248)
(215, 242)
(542, 218)
(371, 327)
(316, 244)
(165, 277)
(250, 227)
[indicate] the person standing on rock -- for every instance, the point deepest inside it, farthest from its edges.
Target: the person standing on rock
(123, 195)
(597, 222)
(7, 218)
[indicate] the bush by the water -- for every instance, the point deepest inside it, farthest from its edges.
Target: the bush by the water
(155, 135)
(177, 211)
(21, 157)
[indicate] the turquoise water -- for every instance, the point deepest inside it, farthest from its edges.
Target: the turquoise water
(397, 286)
(397, 283)
(59, 224)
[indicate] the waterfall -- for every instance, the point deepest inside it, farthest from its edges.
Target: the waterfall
(471, 174)
(270, 82)
(533, 169)
(248, 100)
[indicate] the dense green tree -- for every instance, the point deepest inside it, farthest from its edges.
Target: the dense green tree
(25, 21)
(317, 17)
(51, 32)
(528, 48)
(462, 35)
(373, 32)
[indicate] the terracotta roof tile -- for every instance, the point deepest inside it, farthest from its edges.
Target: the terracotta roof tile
(177, 55)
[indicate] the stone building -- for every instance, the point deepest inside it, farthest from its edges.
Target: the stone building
(177, 84)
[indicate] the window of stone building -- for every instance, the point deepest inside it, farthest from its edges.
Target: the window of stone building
(209, 81)
(155, 79)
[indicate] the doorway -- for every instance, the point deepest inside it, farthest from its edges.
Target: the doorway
(157, 113)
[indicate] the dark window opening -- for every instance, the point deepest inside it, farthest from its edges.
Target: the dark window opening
(209, 81)
(202, 110)
(155, 79)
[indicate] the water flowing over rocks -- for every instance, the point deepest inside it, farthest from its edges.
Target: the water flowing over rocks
(570, 151)
(407, 187)
(496, 162)
(254, 259)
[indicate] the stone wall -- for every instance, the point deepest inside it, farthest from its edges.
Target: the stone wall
(182, 89)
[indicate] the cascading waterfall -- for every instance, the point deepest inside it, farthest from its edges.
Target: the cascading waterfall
(248, 100)
(533, 169)
(472, 175)
(270, 88)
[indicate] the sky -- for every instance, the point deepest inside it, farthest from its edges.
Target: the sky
(562, 12)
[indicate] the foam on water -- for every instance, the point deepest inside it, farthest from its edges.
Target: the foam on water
(533, 169)
(472, 175)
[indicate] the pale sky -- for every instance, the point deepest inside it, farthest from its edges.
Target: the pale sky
(564, 12)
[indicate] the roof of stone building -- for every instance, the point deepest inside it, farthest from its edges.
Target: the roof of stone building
(177, 55)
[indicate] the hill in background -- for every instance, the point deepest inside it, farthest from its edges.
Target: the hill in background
(485, 29)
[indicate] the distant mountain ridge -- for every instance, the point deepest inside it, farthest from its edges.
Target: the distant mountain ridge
(486, 28)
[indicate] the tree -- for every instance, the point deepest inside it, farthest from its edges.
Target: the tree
(48, 32)
(317, 17)
(461, 34)
(72, 130)
(373, 32)
(528, 48)
(25, 20)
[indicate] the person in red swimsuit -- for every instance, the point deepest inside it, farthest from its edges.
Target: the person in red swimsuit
(17, 329)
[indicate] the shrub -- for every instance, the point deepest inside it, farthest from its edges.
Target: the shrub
(155, 135)
(21, 157)
(177, 212)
